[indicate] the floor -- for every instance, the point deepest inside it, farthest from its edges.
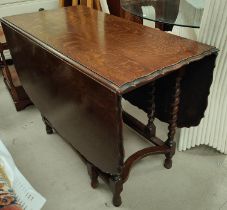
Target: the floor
(197, 181)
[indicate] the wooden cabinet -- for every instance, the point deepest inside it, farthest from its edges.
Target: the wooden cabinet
(11, 79)
(10, 76)
(13, 7)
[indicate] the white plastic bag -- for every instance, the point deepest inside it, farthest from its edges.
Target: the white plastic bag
(26, 195)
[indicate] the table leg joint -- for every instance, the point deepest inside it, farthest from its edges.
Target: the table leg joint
(140, 128)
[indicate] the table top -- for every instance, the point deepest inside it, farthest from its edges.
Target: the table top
(118, 53)
(187, 13)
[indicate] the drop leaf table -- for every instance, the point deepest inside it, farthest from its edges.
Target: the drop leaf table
(76, 64)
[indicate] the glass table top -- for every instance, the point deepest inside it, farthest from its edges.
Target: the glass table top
(187, 13)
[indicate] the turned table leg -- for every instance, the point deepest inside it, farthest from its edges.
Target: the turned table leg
(49, 129)
(151, 112)
(116, 184)
(173, 121)
(93, 173)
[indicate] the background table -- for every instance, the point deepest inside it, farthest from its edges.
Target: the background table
(167, 13)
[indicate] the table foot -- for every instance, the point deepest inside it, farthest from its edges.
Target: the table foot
(168, 161)
(116, 184)
(93, 173)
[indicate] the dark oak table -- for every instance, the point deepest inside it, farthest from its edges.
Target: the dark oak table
(77, 64)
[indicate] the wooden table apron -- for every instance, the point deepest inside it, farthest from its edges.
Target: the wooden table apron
(85, 108)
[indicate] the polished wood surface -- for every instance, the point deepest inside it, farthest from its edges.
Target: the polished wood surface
(102, 44)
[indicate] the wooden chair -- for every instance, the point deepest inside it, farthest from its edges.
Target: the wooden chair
(89, 3)
(114, 8)
(11, 79)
